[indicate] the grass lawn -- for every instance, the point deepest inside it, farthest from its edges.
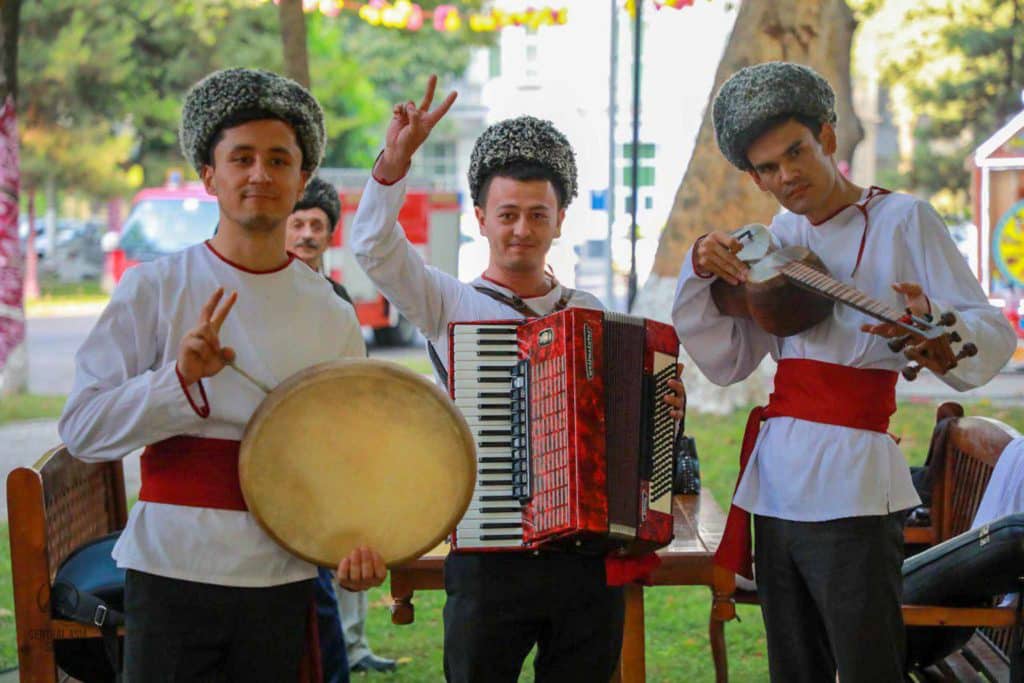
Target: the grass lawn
(54, 294)
(676, 618)
(30, 407)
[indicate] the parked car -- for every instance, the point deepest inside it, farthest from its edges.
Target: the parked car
(162, 220)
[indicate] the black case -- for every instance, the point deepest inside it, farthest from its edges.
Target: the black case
(969, 570)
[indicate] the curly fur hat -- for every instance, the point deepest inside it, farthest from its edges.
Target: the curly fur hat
(756, 94)
(320, 194)
(223, 95)
(523, 139)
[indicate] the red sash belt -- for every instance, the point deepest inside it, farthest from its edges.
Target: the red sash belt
(193, 471)
(817, 392)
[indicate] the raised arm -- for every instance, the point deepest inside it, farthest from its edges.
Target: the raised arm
(378, 241)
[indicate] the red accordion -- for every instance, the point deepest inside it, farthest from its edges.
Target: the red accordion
(574, 442)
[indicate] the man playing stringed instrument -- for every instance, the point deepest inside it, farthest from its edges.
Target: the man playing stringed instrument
(209, 595)
(823, 479)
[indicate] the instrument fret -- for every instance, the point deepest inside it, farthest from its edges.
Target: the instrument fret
(816, 281)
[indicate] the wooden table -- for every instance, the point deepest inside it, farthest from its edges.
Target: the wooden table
(699, 523)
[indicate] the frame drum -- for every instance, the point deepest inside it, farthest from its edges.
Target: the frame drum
(357, 452)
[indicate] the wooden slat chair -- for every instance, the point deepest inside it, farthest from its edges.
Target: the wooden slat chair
(973, 446)
(961, 471)
(53, 507)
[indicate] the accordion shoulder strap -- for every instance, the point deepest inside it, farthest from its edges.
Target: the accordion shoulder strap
(513, 302)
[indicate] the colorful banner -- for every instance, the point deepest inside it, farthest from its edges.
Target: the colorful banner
(409, 16)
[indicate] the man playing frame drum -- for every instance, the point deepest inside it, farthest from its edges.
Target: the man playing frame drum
(825, 482)
(208, 594)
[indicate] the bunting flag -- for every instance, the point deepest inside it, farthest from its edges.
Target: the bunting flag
(409, 16)
(630, 5)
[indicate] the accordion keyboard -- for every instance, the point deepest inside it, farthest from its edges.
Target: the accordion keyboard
(483, 359)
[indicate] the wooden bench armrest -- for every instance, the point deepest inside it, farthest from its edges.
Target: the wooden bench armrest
(934, 615)
(920, 535)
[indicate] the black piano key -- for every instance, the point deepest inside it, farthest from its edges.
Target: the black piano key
(493, 394)
(499, 525)
(495, 432)
(494, 330)
(500, 482)
(497, 499)
(492, 460)
(497, 354)
(494, 444)
(501, 537)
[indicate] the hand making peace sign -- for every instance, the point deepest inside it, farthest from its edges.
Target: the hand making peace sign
(200, 353)
(409, 128)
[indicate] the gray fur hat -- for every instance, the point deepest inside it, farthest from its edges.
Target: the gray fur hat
(523, 139)
(757, 94)
(320, 194)
(219, 99)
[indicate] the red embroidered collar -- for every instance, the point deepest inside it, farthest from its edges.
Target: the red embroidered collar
(291, 257)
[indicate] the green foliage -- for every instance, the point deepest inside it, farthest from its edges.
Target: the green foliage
(101, 83)
(961, 64)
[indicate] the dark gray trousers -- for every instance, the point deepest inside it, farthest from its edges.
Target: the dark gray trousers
(830, 594)
(179, 631)
(502, 604)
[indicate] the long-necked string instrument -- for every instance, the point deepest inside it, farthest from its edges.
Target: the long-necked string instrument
(790, 290)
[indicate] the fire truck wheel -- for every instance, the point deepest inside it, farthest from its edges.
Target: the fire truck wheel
(401, 334)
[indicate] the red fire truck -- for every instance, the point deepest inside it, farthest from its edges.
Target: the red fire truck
(165, 219)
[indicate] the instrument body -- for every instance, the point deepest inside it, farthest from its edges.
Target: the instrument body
(579, 455)
(773, 301)
(326, 467)
(789, 291)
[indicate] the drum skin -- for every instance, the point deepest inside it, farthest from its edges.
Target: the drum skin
(357, 452)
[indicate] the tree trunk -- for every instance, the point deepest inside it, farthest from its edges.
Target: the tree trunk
(293, 38)
(13, 357)
(713, 193)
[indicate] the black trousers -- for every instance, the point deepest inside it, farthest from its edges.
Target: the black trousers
(830, 594)
(186, 631)
(500, 604)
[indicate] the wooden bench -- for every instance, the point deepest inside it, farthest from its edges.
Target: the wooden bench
(959, 477)
(699, 523)
(53, 507)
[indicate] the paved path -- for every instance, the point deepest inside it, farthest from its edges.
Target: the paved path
(22, 443)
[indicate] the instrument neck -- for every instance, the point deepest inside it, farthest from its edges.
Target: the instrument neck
(827, 286)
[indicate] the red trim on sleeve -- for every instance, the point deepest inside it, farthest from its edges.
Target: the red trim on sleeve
(693, 260)
(204, 411)
(386, 183)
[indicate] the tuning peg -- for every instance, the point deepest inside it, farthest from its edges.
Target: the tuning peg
(910, 372)
(967, 350)
(947, 319)
(897, 343)
(954, 337)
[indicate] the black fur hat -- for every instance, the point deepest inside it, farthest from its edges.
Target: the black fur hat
(523, 139)
(223, 96)
(757, 94)
(320, 194)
